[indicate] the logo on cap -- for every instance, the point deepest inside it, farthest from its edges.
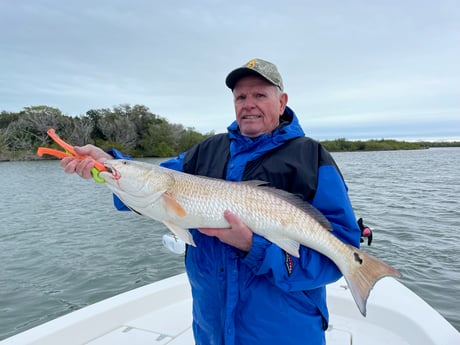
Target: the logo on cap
(251, 63)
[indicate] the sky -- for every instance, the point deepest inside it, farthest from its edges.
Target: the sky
(355, 69)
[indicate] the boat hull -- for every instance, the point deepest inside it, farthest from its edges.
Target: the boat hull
(160, 313)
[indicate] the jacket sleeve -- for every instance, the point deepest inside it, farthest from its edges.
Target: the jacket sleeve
(311, 269)
(174, 163)
(119, 205)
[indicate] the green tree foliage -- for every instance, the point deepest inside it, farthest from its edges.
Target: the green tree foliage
(132, 129)
(370, 145)
(6, 118)
(28, 129)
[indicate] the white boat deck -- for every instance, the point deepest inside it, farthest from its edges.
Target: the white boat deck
(154, 328)
(160, 313)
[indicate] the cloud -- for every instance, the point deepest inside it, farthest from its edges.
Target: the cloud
(358, 66)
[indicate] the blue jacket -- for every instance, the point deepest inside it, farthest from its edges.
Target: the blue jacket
(266, 296)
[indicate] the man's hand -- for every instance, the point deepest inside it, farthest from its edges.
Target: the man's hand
(238, 235)
(83, 167)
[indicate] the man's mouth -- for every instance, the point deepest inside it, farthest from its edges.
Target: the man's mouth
(251, 117)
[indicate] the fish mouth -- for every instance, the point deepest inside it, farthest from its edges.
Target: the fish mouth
(114, 173)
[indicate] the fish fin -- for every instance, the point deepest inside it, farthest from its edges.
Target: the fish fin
(361, 274)
(255, 183)
(183, 234)
(297, 201)
(288, 245)
(173, 205)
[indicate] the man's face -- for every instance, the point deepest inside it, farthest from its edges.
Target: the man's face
(258, 105)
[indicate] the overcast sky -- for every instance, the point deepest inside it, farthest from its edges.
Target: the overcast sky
(354, 69)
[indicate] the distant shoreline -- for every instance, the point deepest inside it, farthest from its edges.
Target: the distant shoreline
(342, 144)
(336, 145)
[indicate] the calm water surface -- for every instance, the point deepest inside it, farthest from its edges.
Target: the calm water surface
(63, 246)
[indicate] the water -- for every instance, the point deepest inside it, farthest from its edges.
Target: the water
(63, 246)
(411, 199)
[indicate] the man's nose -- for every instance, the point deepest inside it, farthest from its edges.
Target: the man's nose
(249, 103)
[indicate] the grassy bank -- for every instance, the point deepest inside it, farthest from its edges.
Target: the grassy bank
(342, 144)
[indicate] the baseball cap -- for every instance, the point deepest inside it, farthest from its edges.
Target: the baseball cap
(259, 67)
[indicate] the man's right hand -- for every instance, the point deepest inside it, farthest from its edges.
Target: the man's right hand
(83, 167)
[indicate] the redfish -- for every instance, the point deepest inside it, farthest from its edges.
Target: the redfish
(182, 201)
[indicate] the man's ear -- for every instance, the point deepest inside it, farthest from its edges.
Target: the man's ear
(283, 102)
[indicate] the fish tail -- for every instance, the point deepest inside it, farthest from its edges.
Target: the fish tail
(364, 272)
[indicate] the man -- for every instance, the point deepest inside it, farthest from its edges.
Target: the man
(246, 290)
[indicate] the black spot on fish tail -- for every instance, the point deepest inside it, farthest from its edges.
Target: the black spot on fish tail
(358, 258)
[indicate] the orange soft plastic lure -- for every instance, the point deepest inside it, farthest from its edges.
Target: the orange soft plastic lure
(69, 151)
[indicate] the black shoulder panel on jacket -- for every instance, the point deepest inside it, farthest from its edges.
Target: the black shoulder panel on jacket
(209, 157)
(292, 167)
